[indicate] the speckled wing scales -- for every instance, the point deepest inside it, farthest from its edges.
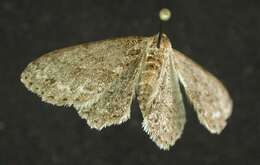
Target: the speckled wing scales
(113, 107)
(90, 77)
(209, 97)
(164, 118)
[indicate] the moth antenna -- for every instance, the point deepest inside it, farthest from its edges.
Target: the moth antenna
(164, 15)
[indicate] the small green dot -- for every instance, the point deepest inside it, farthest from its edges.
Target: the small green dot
(165, 14)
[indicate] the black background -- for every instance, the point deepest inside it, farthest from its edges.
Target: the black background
(221, 35)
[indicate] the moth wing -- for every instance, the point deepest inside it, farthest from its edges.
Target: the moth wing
(166, 118)
(113, 107)
(84, 75)
(208, 95)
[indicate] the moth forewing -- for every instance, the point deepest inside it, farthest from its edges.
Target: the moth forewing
(114, 105)
(85, 75)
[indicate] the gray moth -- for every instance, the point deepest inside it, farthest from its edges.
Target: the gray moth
(100, 79)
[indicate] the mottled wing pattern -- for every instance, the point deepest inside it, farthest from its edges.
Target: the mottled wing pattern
(164, 118)
(113, 107)
(207, 94)
(85, 74)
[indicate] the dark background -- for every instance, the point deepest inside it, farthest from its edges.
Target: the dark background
(222, 35)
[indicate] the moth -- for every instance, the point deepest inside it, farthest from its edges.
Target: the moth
(101, 79)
